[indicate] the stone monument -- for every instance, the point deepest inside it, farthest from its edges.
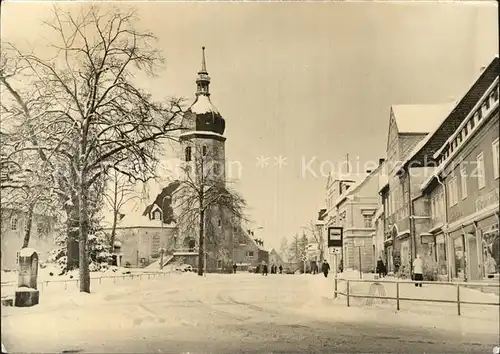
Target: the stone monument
(27, 293)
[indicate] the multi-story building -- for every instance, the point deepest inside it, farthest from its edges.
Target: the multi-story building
(354, 210)
(408, 126)
(462, 192)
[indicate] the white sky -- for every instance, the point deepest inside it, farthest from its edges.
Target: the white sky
(304, 79)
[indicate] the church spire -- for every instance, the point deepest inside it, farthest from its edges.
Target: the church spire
(203, 80)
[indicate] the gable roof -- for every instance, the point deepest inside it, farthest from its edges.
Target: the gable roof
(425, 149)
(420, 118)
(164, 202)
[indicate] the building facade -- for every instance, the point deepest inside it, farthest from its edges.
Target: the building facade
(408, 126)
(461, 193)
(14, 224)
(354, 210)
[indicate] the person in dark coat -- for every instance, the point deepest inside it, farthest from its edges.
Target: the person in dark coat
(234, 268)
(381, 268)
(325, 268)
(281, 269)
(264, 269)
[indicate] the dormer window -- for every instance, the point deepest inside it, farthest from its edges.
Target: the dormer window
(188, 154)
(157, 215)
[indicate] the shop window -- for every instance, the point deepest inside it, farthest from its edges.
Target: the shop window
(459, 259)
(491, 252)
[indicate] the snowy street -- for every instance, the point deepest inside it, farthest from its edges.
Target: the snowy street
(242, 313)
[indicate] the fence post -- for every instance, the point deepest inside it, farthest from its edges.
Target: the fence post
(42, 286)
(458, 298)
(397, 295)
(77, 282)
(100, 278)
(347, 292)
(335, 289)
(65, 285)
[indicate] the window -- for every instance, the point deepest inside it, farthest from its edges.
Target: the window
(486, 105)
(496, 156)
(204, 150)
(368, 221)
(476, 118)
(480, 171)
(452, 191)
(494, 96)
(188, 154)
(463, 182)
(156, 215)
(249, 254)
(216, 168)
(13, 223)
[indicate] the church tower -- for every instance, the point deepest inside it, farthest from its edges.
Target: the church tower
(203, 141)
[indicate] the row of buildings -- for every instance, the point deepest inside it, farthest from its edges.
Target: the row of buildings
(435, 194)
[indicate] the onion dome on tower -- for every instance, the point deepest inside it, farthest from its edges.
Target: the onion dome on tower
(202, 114)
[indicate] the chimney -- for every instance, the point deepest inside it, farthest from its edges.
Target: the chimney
(368, 171)
(482, 69)
(381, 161)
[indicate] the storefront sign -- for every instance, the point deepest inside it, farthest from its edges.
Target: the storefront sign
(486, 200)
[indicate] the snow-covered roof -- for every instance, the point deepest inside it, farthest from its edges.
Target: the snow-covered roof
(132, 220)
(420, 118)
(358, 180)
(203, 105)
(26, 252)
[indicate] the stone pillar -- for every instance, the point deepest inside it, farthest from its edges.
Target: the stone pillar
(27, 293)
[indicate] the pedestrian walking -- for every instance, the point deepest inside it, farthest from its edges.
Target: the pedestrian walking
(234, 268)
(281, 269)
(418, 270)
(325, 268)
(264, 268)
(381, 268)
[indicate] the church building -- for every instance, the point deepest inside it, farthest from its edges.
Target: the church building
(175, 210)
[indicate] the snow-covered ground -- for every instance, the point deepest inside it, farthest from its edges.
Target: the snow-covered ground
(230, 305)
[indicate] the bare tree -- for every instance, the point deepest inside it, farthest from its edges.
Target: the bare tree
(205, 202)
(316, 232)
(284, 249)
(95, 119)
(120, 192)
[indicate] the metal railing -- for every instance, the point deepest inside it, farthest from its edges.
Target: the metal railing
(398, 298)
(45, 283)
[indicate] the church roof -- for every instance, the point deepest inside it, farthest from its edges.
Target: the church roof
(206, 116)
(202, 105)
